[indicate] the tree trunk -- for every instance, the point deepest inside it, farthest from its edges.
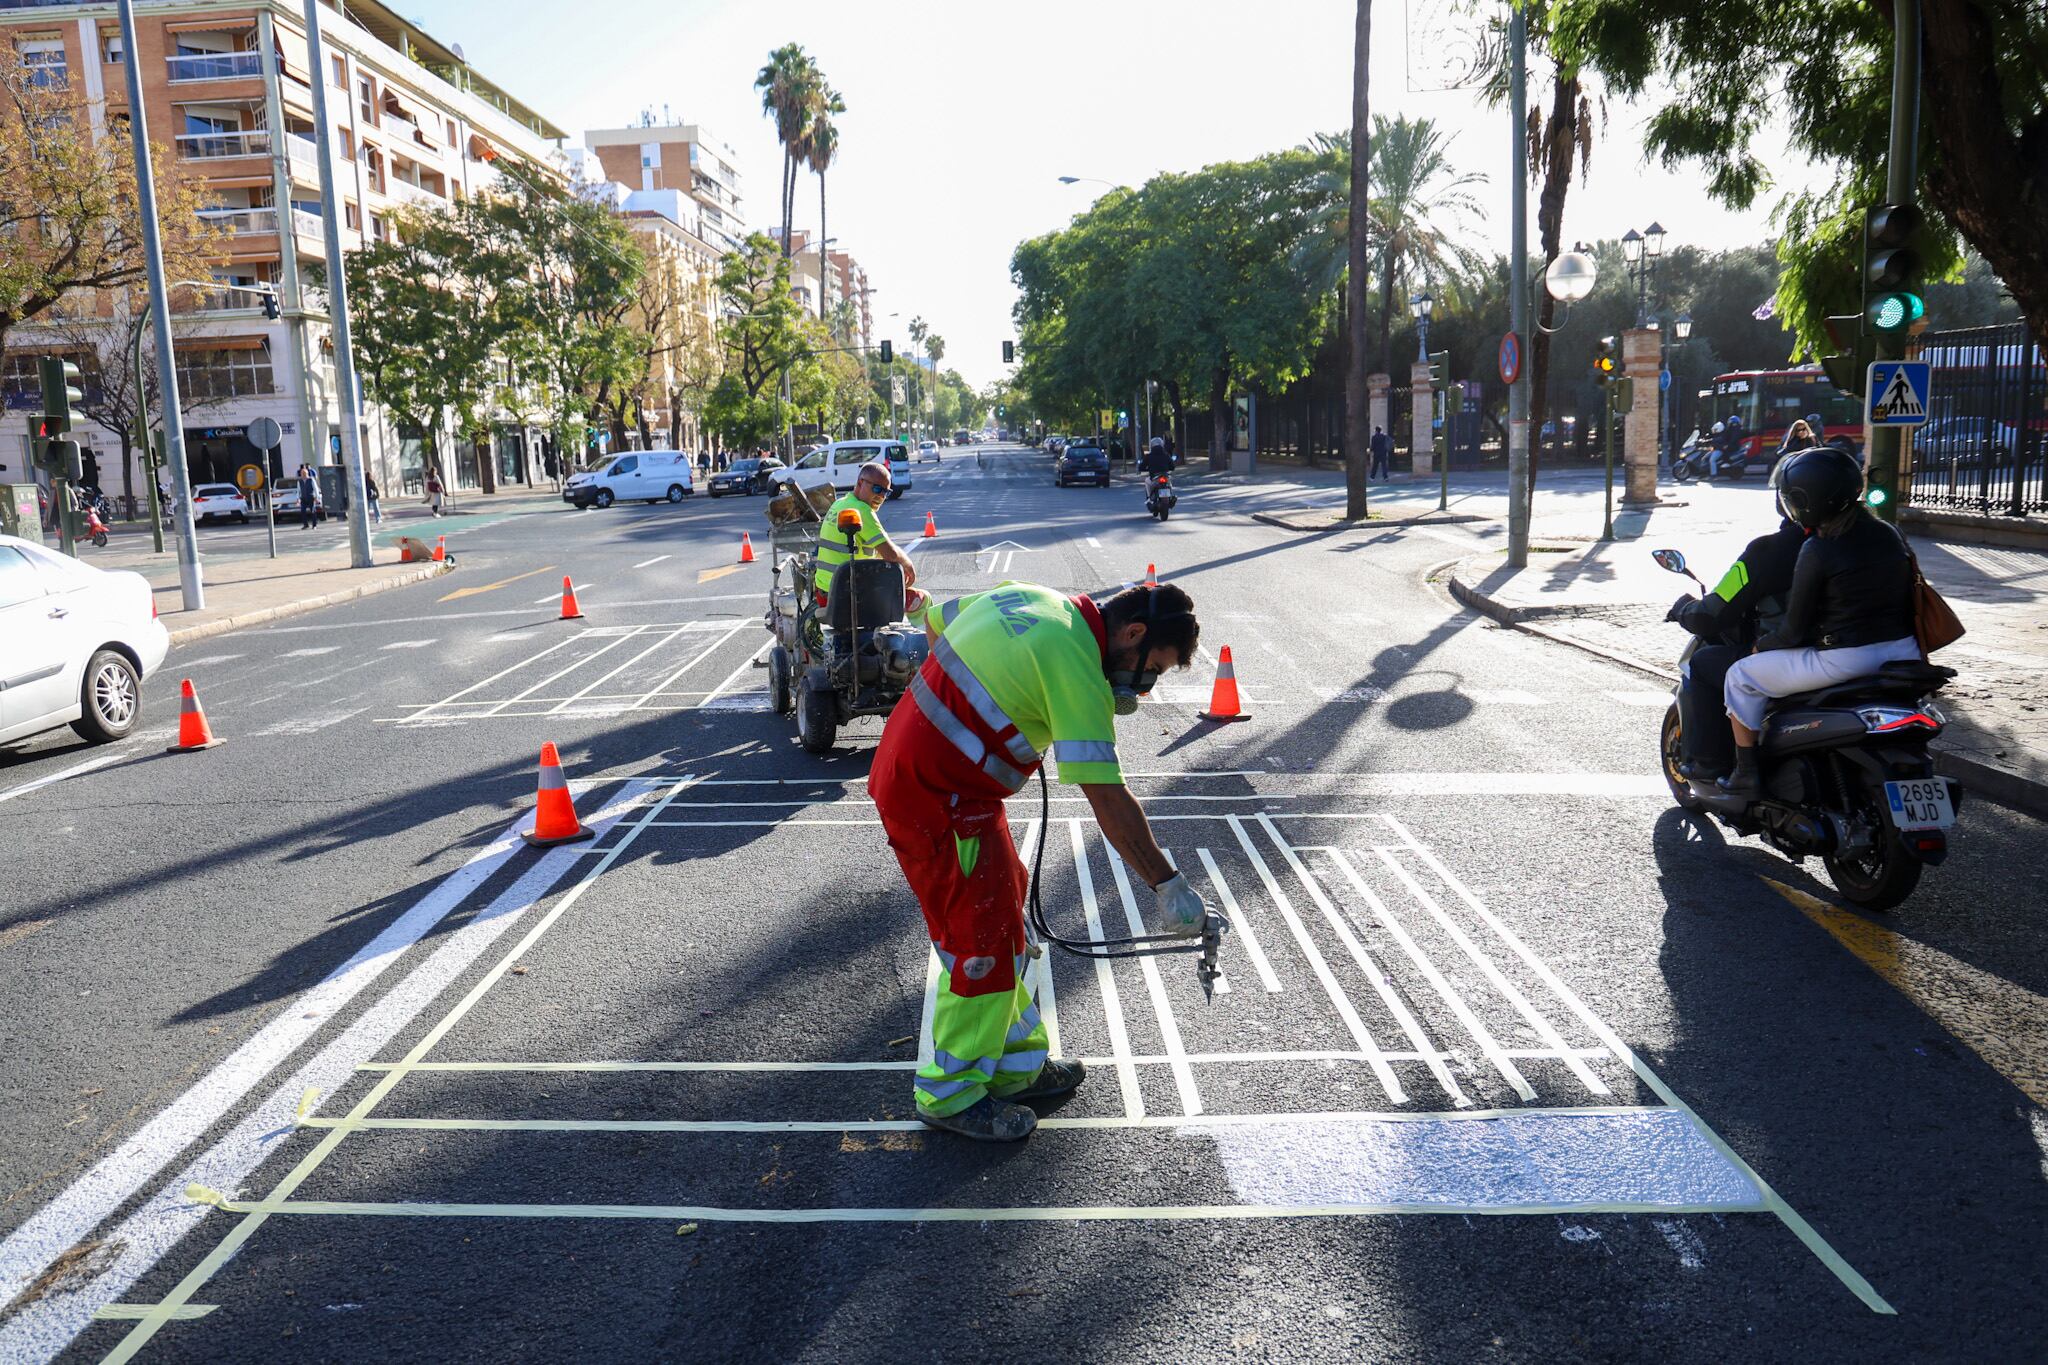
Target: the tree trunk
(1180, 418)
(675, 420)
(1562, 141)
(1225, 420)
(1357, 419)
(128, 475)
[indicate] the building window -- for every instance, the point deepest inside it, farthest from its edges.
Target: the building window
(377, 229)
(451, 132)
(348, 145)
(366, 100)
(43, 59)
(339, 76)
(226, 374)
(355, 219)
(111, 51)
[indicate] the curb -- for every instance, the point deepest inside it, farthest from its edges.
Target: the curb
(1374, 523)
(252, 618)
(1988, 780)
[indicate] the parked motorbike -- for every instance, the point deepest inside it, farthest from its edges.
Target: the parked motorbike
(1159, 496)
(1846, 777)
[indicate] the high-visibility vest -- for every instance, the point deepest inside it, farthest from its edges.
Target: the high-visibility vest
(835, 549)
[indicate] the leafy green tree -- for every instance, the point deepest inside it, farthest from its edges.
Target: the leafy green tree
(821, 149)
(763, 334)
(792, 89)
(1823, 70)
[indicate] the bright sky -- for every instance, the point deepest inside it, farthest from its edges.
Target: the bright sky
(962, 117)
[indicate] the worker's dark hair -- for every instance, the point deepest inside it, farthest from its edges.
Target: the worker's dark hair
(1166, 610)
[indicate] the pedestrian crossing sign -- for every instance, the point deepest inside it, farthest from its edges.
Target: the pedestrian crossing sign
(1897, 393)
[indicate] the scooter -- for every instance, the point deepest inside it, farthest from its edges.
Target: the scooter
(1846, 777)
(1696, 461)
(1159, 496)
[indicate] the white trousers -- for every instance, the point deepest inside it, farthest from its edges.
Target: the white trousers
(1756, 678)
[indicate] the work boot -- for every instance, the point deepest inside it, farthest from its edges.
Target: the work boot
(1057, 1077)
(1745, 782)
(988, 1119)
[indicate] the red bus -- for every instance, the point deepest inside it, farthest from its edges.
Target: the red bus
(1770, 401)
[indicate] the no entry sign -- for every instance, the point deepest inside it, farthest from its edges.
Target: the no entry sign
(1510, 358)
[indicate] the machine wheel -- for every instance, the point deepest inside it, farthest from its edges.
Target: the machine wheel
(603, 498)
(1164, 512)
(1681, 471)
(1668, 754)
(780, 699)
(110, 699)
(816, 724)
(675, 492)
(1877, 879)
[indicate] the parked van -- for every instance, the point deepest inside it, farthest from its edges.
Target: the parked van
(649, 475)
(839, 465)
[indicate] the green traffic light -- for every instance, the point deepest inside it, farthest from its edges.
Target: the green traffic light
(1876, 497)
(1896, 312)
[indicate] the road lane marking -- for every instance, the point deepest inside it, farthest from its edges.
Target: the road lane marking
(309, 653)
(1148, 967)
(713, 575)
(410, 644)
(715, 693)
(650, 563)
(2001, 1021)
(1105, 981)
(38, 784)
(594, 655)
(208, 659)
(305, 725)
(531, 658)
(1389, 1082)
(559, 707)
(706, 653)
(1260, 964)
(461, 593)
(556, 597)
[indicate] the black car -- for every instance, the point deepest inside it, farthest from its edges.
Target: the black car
(1083, 462)
(747, 476)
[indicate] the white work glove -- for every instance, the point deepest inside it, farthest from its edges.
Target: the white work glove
(1178, 909)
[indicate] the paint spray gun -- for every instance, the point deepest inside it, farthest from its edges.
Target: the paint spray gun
(1214, 926)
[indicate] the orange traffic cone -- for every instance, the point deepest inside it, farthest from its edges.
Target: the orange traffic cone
(570, 611)
(1223, 702)
(193, 731)
(405, 549)
(930, 527)
(554, 815)
(440, 548)
(746, 548)
(1151, 577)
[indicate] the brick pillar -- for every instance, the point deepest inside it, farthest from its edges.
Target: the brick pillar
(1421, 439)
(1376, 386)
(1640, 362)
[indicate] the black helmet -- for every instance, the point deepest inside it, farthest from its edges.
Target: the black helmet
(1819, 485)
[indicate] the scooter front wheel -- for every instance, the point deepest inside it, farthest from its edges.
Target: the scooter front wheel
(1682, 471)
(1669, 752)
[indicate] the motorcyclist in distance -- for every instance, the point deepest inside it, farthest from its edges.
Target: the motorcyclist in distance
(1157, 460)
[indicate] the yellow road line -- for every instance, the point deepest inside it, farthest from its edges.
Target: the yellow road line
(2004, 1023)
(707, 575)
(461, 593)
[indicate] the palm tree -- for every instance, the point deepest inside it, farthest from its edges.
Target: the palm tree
(1358, 253)
(821, 148)
(935, 347)
(789, 86)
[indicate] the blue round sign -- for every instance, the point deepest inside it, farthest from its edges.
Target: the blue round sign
(1664, 379)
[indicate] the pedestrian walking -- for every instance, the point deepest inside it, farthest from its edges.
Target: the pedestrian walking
(1382, 447)
(370, 491)
(307, 493)
(434, 491)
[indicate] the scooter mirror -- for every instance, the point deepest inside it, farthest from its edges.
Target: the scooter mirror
(1672, 561)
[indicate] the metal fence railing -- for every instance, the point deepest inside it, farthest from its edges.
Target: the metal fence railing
(1985, 445)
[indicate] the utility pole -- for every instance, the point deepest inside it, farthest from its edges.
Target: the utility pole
(1901, 179)
(191, 585)
(1518, 289)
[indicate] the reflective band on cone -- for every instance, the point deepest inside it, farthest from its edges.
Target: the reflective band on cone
(554, 814)
(746, 548)
(570, 611)
(930, 527)
(193, 731)
(1223, 702)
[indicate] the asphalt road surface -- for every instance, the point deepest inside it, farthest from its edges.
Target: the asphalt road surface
(309, 1057)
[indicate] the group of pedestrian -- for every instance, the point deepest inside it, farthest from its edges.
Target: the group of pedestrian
(710, 461)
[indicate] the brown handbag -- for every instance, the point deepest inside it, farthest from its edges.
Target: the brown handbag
(1935, 623)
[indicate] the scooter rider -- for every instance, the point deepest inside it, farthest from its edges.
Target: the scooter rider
(1850, 609)
(1157, 460)
(1016, 672)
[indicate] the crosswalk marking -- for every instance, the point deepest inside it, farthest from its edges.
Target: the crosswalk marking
(1105, 981)
(1148, 967)
(1240, 924)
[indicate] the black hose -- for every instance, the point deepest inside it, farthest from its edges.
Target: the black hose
(1146, 945)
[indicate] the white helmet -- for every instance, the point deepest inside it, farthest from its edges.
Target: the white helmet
(1720, 427)
(1158, 443)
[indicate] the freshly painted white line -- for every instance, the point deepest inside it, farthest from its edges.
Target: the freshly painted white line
(1240, 924)
(595, 683)
(208, 659)
(756, 703)
(1446, 992)
(1094, 544)
(309, 653)
(1136, 1059)
(306, 725)
(1041, 966)
(625, 635)
(735, 675)
(25, 788)
(1639, 698)
(650, 563)
(556, 596)
(1691, 1251)
(1148, 967)
(61, 1223)
(1388, 1080)
(1381, 983)
(702, 655)
(1105, 980)
(563, 643)
(410, 644)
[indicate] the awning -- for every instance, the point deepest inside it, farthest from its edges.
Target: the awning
(221, 344)
(238, 182)
(211, 25)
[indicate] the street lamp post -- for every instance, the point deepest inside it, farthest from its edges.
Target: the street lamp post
(1422, 305)
(1681, 328)
(1641, 250)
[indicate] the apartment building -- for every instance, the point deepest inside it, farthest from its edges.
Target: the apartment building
(816, 269)
(684, 157)
(227, 90)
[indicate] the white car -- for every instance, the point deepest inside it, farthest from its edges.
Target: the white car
(284, 501)
(928, 450)
(648, 475)
(80, 641)
(839, 465)
(210, 500)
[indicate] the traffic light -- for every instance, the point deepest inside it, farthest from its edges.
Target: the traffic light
(60, 391)
(1606, 363)
(270, 311)
(1891, 300)
(888, 353)
(1439, 369)
(1009, 353)
(1847, 369)
(1001, 410)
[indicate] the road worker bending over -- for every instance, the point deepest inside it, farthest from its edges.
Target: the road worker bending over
(1015, 673)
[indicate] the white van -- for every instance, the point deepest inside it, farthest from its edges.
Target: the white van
(839, 465)
(649, 475)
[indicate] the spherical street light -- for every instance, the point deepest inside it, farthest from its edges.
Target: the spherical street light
(1571, 277)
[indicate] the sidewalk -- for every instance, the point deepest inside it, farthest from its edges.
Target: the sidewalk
(1609, 598)
(246, 592)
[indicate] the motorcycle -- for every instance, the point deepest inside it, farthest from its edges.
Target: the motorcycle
(91, 502)
(1696, 461)
(1846, 777)
(1159, 496)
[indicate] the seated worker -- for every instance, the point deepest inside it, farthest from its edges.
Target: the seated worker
(1850, 610)
(836, 547)
(1747, 602)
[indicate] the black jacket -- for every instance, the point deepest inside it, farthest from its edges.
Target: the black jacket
(1156, 462)
(1750, 598)
(1852, 589)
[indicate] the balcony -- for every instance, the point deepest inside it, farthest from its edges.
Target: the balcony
(241, 222)
(214, 66)
(217, 146)
(308, 225)
(303, 154)
(405, 192)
